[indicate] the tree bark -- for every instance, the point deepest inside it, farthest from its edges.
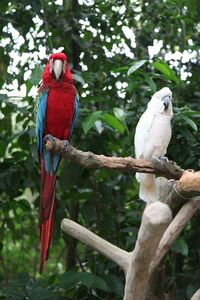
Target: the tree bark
(156, 218)
(142, 263)
(174, 230)
(84, 235)
(90, 160)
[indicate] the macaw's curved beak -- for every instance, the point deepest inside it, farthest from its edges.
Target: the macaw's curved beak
(57, 69)
(166, 100)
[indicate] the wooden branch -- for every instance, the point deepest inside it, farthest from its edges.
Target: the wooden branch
(121, 257)
(176, 193)
(156, 218)
(94, 161)
(189, 184)
(196, 296)
(174, 229)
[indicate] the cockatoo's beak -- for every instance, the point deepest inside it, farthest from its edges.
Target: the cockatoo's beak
(57, 69)
(166, 100)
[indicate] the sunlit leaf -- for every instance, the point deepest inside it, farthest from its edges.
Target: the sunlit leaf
(119, 113)
(135, 66)
(113, 122)
(79, 78)
(90, 121)
(190, 122)
(164, 68)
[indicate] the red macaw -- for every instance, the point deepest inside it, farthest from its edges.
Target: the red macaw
(56, 115)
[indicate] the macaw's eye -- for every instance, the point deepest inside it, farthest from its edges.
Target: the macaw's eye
(51, 64)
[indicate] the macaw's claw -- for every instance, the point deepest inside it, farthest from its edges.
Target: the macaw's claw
(66, 144)
(49, 141)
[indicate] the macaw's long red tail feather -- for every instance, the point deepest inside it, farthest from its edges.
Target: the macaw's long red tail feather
(47, 204)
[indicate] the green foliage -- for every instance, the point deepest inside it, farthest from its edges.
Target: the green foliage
(114, 89)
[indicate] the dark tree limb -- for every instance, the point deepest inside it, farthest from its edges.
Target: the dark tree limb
(90, 160)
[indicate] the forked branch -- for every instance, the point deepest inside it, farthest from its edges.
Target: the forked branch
(89, 238)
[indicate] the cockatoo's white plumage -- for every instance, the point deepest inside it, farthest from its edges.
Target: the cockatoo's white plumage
(152, 136)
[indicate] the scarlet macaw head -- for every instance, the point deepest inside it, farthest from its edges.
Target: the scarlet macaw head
(57, 65)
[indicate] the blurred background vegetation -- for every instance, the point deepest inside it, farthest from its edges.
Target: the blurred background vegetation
(120, 53)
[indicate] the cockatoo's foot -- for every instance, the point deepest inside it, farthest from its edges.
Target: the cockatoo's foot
(155, 158)
(161, 158)
(164, 159)
(66, 144)
(49, 142)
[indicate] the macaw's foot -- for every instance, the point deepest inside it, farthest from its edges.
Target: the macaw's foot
(49, 141)
(66, 145)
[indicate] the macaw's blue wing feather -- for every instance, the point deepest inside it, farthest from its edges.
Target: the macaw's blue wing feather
(75, 114)
(51, 161)
(40, 121)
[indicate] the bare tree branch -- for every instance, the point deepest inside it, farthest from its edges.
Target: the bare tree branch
(94, 161)
(84, 235)
(140, 264)
(156, 218)
(174, 230)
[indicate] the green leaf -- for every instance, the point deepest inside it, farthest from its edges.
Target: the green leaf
(113, 122)
(79, 78)
(42, 293)
(69, 279)
(70, 176)
(150, 82)
(135, 66)
(119, 114)
(36, 75)
(121, 69)
(164, 68)
(3, 146)
(114, 283)
(92, 281)
(90, 120)
(190, 122)
(180, 246)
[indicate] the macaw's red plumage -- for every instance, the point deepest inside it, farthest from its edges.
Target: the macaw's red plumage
(57, 111)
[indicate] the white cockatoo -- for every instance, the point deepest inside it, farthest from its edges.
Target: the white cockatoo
(152, 136)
